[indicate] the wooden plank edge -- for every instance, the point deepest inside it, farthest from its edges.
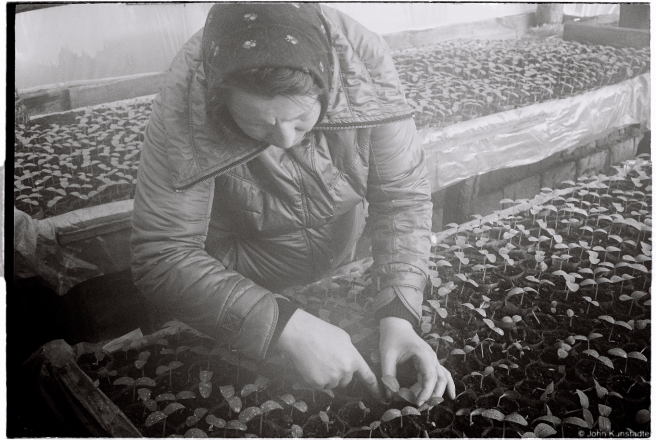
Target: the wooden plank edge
(87, 222)
(540, 199)
(78, 94)
(83, 393)
(606, 35)
(100, 416)
(94, 231)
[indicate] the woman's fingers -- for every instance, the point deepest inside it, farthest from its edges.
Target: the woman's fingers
(450, 385)
(444, 383)
(399, 343)
(324, 354)
(368, 378)
(426, 367)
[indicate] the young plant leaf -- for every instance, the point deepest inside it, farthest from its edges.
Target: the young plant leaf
(516, 418)
(391, 383)
(249, 414)
(154, 417)
(390, 414)
(543, 430)
(172, 407)
(182, 395)
(195, 433)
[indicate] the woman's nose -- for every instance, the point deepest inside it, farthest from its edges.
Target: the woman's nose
(284, 136)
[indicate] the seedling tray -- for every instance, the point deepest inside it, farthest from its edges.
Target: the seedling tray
(541, 312)
(78, 159)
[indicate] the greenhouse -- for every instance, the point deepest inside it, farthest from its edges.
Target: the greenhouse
(359, 220)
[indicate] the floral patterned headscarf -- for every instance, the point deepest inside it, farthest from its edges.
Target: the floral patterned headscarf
(240, 37)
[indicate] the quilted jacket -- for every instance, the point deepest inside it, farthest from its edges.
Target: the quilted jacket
(222, 221)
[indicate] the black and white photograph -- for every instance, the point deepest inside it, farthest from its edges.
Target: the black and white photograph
(338, 219)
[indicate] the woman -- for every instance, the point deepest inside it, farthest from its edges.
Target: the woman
(275, 123)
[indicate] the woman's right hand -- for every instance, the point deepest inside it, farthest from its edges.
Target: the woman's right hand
(323, 354)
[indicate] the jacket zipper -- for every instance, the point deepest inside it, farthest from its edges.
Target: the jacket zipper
(365, 125)
(253, 156)
(220, 172)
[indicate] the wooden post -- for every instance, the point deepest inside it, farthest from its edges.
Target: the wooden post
(549, 13)
(634, 16)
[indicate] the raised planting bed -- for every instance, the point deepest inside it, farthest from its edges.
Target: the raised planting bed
(464, 79)
(77, 159)
(74, 160)
(541, 312)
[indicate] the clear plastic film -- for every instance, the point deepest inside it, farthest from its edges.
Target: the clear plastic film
(529, 134)
(71, 248)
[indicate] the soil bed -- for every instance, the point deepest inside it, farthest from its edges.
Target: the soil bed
(549, 370)
(89, 157)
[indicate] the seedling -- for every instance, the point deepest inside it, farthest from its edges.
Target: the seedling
(480, 310)
(464, 351)
(613, 323)
(251, 412)
(494, 414)
(504, 252)
(590, 301)
(570, 281)
(445, 290)
(160, 416)
(462, 260)
(522, 290)
(465, 280)
(394, 413)
(429, 405)
(489, 371)
(438, 310)
(294, 404)
(635, 296)
(392, 384)
(163, 369)
(570, 315)
(371, 427)
(437, 338)
(493, 327)
(141, 362)
(194, 419)
(234, 402)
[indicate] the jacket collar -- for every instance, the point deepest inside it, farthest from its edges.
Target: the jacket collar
(199, 150)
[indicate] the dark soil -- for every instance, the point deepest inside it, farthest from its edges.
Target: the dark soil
(503, 361)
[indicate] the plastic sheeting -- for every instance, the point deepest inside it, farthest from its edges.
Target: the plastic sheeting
(591, 9)
(529, 134)
(38, 252)
(386, 18)
(92, 41)
(95, 241)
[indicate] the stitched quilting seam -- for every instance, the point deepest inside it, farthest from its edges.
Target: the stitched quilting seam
(189, 118)
(373, 87)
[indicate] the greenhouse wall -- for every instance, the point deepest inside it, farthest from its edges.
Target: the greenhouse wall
(83, 41)
(482, 194)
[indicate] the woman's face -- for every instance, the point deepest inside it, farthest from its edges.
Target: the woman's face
(281, 121)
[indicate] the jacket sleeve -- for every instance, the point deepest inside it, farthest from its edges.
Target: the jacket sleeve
(172, 269)
(400, 212)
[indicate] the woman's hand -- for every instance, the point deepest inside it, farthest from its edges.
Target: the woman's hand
(323, 354)
(400, 343)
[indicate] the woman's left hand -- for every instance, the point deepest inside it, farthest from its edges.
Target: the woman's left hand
(400, 343)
